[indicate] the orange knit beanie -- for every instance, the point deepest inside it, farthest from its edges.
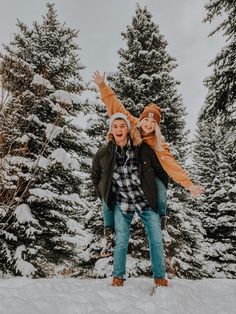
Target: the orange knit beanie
(151, 111)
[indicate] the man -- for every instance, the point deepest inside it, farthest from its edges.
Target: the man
(123, 174)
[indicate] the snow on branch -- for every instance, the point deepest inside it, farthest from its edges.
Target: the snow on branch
(65, 97)
(46, 195)
(22, 266)
(23, 214)
(39, 80)
(61, 156)
(52, 131)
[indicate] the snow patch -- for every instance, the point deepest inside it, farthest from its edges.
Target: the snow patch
(23, 214)
(23, 139)
(61, 156)
(65, 98)
(23, 267)
(39, 80)
(52, 131)
(43, 162)
(97, 296)
(47, 195)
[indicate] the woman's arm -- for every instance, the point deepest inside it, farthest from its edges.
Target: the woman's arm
(176, 172)
(109, 98)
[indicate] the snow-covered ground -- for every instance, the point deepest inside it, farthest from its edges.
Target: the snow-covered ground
(97, 296)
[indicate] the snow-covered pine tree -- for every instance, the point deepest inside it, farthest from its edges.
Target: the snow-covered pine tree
(144, 75)
(215, 168)
(215, 150)
(96, 129)
(44, 154)
(221, 84)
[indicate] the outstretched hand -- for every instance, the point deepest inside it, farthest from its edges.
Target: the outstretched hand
(98, 78)
(196, 190)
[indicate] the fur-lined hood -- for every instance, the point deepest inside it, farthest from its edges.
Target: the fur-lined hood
(134, 135)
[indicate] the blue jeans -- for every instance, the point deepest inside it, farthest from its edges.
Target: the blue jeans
(151, 221)
(108, 216)
(161, 197)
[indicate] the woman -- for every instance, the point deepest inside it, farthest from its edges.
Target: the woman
(149, 122)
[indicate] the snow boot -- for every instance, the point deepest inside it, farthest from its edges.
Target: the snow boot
(108, 243)
(117, 282)
(165, 235)
(161, 282)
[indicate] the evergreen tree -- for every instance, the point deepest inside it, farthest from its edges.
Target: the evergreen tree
(144, 76)
(221, 84)
(215, 151)
(215, 168)
(43, 153)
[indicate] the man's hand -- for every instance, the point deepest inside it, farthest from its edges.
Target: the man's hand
(196, 190)
(98, 78)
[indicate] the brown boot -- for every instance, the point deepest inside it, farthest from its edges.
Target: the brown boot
(161, 282)
(117, 282)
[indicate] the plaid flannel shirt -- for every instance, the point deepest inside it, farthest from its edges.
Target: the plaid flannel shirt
(125, 182)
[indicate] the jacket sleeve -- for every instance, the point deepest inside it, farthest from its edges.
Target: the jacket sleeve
(173, 168)
(96, 173)
(112, 103)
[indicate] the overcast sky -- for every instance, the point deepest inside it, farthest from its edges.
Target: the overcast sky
(101, 22)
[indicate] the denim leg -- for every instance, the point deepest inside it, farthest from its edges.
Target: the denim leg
(153, 228)
(161, 197)
(122, 231)
(108, 216)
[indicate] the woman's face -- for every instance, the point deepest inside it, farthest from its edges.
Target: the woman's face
(148, 125)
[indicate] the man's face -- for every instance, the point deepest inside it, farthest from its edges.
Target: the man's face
(120, 131)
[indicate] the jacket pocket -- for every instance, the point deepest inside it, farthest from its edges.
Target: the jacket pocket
(146, 166)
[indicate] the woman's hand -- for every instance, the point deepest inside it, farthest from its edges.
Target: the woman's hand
(196, 190)
(98, 78)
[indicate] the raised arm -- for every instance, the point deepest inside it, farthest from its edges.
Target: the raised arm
(109, 98)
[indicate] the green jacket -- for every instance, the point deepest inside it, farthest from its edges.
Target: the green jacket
(148, 169)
